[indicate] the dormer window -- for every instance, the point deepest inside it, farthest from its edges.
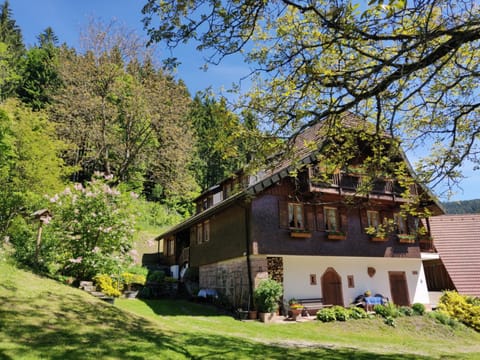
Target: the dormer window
(295, 216)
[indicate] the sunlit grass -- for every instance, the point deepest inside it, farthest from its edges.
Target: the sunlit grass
(41, 319)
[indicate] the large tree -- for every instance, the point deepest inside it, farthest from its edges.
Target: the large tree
(409, 67)
(123, 114)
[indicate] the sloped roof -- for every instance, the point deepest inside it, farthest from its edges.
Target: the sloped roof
(457, 240)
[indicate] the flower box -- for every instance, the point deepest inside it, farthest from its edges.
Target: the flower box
(378, 238)
(406, 238)
(336, 236)
(300, 234)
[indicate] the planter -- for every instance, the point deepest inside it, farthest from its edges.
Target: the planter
(378, 239)
(336, 237)
(406, 239)
(267, 317)
(252, 314)
(295, 313)
(301, 234)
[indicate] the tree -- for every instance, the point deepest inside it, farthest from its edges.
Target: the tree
(217, 132)
(30, 163)
(410, 68)
(11, 50)
(124, 115)
(39, 76)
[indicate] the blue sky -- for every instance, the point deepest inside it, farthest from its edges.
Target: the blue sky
(68, 17)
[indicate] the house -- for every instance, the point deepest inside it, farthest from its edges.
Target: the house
(454, 262)
(288, 224)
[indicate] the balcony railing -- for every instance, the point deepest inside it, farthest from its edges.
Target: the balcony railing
(426, 245)
(351, 182)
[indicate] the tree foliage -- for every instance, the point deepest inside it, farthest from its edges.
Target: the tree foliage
(123, 115)
(410, 68)
(30, 163)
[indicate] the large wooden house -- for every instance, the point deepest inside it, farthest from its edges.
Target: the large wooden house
(304, 233)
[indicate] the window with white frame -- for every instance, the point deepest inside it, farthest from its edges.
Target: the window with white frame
(295, 216)
(400, 223)
(332, 222)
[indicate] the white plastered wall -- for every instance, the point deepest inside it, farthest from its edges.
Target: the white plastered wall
(297, 271)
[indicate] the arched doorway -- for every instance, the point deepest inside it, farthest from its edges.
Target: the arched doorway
(332, 287)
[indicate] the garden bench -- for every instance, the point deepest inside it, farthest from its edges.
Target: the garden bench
(312, 305)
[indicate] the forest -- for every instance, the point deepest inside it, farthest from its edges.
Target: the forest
(94, 137)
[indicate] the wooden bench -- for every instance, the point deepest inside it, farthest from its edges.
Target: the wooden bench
(312, 305)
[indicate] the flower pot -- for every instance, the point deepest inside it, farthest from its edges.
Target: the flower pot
(295, 313)
(252, 314)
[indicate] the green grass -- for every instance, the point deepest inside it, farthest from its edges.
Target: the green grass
(41, 319)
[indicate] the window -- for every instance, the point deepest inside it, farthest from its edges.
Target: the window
(295, 216)
(373, 219)
(331, 219)
(171, 247)
(203, 232)
(351, 281)
(206, 231)
(400, 223)
(199, 233)
(313, 279)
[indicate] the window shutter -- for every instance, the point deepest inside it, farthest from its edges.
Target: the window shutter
(283, 213)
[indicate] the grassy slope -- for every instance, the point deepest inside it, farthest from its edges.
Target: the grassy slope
(42, 319)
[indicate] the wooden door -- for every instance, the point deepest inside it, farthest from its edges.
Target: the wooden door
(332, 288)
(399, 288)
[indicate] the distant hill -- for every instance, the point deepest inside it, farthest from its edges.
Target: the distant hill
(463, 207)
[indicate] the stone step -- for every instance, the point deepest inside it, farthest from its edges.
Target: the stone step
(90, 288)
(98, 294)
(85, 283)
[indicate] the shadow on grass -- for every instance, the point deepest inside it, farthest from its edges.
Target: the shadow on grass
(69, 326)
(180, 307)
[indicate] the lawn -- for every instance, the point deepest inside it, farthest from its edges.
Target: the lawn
(40, 318)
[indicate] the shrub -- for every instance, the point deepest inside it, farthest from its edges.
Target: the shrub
(418, 309)
(156, 276)
(128, 279)
(406, 311)
(326, 315)
(107, 285)
(357, 313)
(267, 295)
(341, 314)
(461, 308)
(388, 310)
(390, 321)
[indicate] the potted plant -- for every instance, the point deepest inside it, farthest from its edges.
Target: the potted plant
(295, 309)
(377, 234)
(267, 296)
(406, 238)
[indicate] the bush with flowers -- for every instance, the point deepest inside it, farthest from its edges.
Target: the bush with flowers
(91, 229)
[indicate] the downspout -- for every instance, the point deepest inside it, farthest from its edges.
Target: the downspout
(247, 246)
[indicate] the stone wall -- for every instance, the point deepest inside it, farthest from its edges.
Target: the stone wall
(230, 278)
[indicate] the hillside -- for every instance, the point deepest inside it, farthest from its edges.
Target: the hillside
(41, 318)
(463, 207)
